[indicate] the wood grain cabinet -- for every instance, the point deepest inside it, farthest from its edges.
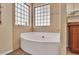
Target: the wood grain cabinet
(74, 37)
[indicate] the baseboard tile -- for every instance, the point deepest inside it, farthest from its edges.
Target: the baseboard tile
(5, 53)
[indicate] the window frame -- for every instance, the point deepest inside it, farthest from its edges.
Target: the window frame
(29, 11)
(41, 16)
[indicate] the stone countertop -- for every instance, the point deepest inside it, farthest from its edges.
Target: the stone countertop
(73, 23)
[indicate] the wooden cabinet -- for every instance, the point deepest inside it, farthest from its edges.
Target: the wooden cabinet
(74, 37)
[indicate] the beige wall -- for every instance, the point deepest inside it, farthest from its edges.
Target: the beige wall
(72, 7)
(63, 32)
(17, 31)
(54, 27)
(6, 28)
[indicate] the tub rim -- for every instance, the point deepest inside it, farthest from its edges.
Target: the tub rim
(39, 40)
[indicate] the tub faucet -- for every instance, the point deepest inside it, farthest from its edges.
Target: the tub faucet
(42, 36)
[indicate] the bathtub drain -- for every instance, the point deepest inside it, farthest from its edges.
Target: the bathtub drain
(42, 36)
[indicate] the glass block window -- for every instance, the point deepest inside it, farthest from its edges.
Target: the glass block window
(42, 15)
(22, 14)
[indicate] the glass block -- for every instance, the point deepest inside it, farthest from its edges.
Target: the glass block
(42, 18)
(38, 8)
(18, 14)
(38, 15)
(16, 22)
(48, 17)
(19, 23)
(19, 6)
(18, 19)
(38, 12)
(48, 24)
(35, 9)
(38, 18)
(42, 24)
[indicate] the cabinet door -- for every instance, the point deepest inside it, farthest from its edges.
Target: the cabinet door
(74, 38)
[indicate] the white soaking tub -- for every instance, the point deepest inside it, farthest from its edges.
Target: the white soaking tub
(40, 43)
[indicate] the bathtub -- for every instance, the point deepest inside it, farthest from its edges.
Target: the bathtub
(40, 43)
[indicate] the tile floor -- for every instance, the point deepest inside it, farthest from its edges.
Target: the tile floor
(71, 53)
(18, 52)
(21, 52)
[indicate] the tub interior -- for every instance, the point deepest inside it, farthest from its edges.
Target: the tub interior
(41, 36)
